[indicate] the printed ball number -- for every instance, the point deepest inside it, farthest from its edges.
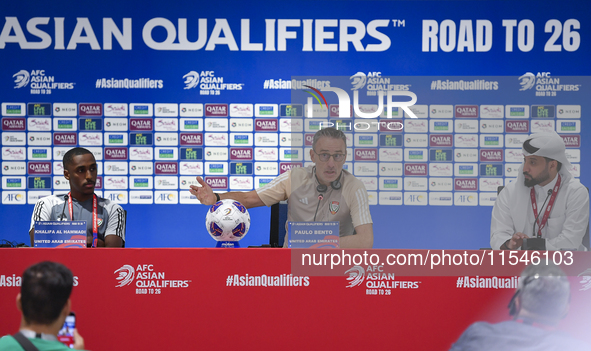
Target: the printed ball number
(227, 220)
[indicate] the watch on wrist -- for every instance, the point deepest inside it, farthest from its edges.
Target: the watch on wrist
(217, 196)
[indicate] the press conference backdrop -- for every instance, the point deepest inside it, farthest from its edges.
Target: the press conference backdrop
(161, 93)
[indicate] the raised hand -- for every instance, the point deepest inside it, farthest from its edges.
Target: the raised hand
(204, 193)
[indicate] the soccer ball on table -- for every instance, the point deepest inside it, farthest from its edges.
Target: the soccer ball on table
(227, 220)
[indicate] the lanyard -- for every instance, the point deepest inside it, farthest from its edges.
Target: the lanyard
(534, 205)
(94, 217)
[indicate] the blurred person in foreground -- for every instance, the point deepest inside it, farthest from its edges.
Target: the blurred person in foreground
(542, 299)
(44, 303)
(323, 192)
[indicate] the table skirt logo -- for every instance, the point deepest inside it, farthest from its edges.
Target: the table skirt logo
(147, 279)
(356, 276)
(585, 280)
(125, 275)
(376, 280)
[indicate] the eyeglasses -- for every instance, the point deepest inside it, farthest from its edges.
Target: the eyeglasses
(324, 157)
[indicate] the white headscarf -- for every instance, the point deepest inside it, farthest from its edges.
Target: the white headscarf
(550, 145)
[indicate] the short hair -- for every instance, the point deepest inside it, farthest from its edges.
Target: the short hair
(532, 150)
(331, 133)
(69, 156)
(545, 290)
(45, 290)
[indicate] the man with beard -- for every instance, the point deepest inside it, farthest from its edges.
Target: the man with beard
(105, 220)
(546, 190)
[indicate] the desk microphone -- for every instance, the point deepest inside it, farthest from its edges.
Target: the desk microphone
(62, 216)
(536, 242)
(320, 197)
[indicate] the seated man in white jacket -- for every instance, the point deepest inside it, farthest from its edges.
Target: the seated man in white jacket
(544, 177)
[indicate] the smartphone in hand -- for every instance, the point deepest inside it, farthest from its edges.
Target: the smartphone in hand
(66, 334)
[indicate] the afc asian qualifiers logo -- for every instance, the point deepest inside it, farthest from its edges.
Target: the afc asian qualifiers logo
(358, 81)
(527, 81)
(585, 280)
(374, 82)
(126, 275)
(356, 276)
(21, 79)
(208, 83)
(147, 279)
(545, 84)
(40, 82)
(192, 79)
(376, 280)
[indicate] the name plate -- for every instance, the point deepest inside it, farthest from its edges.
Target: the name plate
(313, 235)
(60, 234)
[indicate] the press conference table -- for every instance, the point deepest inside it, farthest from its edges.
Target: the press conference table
(148, 299)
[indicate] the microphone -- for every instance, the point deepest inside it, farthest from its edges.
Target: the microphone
(536, 220)
(62, 216)
(320, 197)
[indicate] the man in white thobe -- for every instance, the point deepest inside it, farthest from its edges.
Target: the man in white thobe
(560, 202)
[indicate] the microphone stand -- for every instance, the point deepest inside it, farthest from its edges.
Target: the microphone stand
(62, 216)
(320, 197)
